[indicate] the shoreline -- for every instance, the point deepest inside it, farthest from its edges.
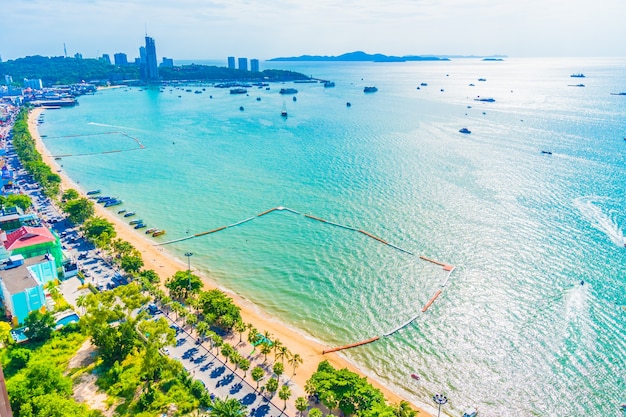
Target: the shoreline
(166, 264)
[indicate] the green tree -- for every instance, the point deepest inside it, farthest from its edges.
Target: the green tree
(272, 386)
(39, 326)
(40, 378)
(131, 263)
(278, 369)
(228, 407)
(99, 231)
(79, 210)
(265, 350)
(183, 284)
(404, 409)
(20, 200)
(257, 375)
(244, 364)
(281, 353)
(240, 327)
(284, 394)
(316, 412)
(150, 275)
(70, 194)
(301, 405)
(5, 334)
(19, 358)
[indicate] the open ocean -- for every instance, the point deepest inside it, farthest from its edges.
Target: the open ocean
(513, 333)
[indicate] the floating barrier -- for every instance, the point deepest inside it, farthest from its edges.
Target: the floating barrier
(431, 301)
(402, 326)
(210, 231)
(241, 222)
(139, 144)
(372, 236)
(267, 211)
(361, 343)
(315, 218)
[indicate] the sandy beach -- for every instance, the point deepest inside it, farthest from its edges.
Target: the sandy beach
(157, 259)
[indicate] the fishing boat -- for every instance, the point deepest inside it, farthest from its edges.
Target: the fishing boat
(136, 221)
(104, 199)
(130, 213)
(113, 202)
(140, 226)
(370, 89)
(485, 99)
(288, 91)
(158, 233)
(151, 230)
(579, 75)
(329, 84)
(93, 192)
(121, 211)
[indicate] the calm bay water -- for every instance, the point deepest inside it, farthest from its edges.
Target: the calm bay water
(513, 333)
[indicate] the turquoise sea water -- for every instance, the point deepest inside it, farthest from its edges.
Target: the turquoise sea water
(513, 333)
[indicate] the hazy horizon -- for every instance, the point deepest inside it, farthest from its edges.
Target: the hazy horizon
(218, 29)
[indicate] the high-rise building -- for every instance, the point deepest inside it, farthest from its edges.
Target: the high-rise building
(231, 62)
(254, 65)
(243, 64)
(33, 84)
(106, 58)
(120, 59)
(143, 63)
(78, 55)
(167, 63)
(152, 73)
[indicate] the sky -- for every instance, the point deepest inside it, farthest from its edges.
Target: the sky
(216, 29)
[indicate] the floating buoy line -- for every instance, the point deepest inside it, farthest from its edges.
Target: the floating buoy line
(446, 267)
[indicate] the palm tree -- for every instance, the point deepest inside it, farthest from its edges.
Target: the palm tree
(301, 405)
(295, 360)
(240, 327)
(276, 344)
(244, 364)
(265, 349)
(404, 410)
(202, 328)
(257, 374)
(82, 302)
(282, 353)
(228, 407)
(284, 394)
(316, 412)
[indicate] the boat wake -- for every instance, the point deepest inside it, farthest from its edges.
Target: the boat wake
(108, 125)
(599, 220)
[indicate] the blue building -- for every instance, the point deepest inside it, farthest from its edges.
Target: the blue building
(22, 284)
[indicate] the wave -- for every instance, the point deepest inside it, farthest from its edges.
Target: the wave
(599, 220)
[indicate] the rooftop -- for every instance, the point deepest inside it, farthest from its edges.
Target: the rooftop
(18, 279)
(28, 236)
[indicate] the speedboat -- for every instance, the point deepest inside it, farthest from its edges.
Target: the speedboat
(140, 225)
(547, 152)
(93, 192)
(121, 211)
(579, 75)
(151, 230)
(470, 412)
(130, 213)
(485, 99)
(415, 377)
(112, 202)
(136, 221)
(283, 113)
(465, 130)
(158, 233)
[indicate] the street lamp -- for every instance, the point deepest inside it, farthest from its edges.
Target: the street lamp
(188, 255)
(441, 400)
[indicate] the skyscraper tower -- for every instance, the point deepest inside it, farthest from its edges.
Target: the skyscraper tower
(151, 69)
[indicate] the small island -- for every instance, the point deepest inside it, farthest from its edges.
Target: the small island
(360, 56)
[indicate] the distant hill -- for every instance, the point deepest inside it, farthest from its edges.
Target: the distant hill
(360, 56)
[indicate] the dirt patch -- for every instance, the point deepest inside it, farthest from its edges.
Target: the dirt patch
(84, 357)
(86, 391)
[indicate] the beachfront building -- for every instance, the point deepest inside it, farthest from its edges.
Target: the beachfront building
(22, 284)
(254, 65)
(243, 64)
(231, 62)
(12, 218)
(31, 242)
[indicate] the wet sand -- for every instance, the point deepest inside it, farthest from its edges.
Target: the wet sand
(165, 265)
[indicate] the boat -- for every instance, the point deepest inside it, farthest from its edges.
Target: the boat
(197, 92)
(113, 202)
(485, 99)
(370, 89)
(348, 104)
(240, 108)
(130, 213)
(288, 91)
(619, 94)
(482, 79)
(258, 99)
(93, 192)
(470, 412)
(158, 233)
(283, 113)
(465, 130)
(238, 90)
(103, 199)
(140, 225)
(329, 84)
(547, 152)
(136, 221)
(151, 230)
(579, 75)
(576, 85)
(415, 377)
(423, 84)
(121, 211)
(295, 98)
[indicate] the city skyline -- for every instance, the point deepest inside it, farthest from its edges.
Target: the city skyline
(191, 29)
